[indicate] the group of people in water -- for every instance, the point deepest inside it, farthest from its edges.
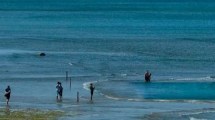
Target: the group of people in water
(59, 89)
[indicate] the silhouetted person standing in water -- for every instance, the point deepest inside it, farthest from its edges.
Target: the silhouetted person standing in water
(92, 88)
(59, 91)
(147, 76)
(7, 94)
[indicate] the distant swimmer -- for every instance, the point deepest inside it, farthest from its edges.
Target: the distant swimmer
(147, 76)
(7, 94)
(92, 88)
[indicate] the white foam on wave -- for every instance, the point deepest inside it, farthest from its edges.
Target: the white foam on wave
(197, 112)
(70, 64)
(135, 100)
(203, 79)
(86, 85)
(111, 97)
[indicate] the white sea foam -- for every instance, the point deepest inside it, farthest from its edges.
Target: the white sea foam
(71, 64)
(136, 100)
(87, 84)
(199, 79)
(197, 112)
(111, 97)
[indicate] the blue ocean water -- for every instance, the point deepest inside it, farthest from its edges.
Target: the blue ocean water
(159, 91)
(115, 41)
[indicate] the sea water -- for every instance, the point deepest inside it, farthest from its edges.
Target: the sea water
(113, 43)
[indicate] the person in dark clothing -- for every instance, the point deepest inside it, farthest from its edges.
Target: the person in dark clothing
(148, 76)
(59, 89)
(92, 88)
(7, 94)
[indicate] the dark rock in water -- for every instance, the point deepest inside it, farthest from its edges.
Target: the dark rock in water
(42, 54)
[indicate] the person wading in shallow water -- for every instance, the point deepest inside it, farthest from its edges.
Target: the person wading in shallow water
(92, 88)
(7, 94)
(59, 89)
(148, 76)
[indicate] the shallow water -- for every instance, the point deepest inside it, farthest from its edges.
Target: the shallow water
(176, 90)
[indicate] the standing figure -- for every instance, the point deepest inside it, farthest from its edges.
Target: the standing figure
(147, 76)
(92, 88)
(7, 94)
(59, 89)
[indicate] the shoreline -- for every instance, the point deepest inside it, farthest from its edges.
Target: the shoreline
(101, 107)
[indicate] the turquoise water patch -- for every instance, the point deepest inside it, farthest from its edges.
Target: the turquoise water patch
(176, 90)
(139, 90)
